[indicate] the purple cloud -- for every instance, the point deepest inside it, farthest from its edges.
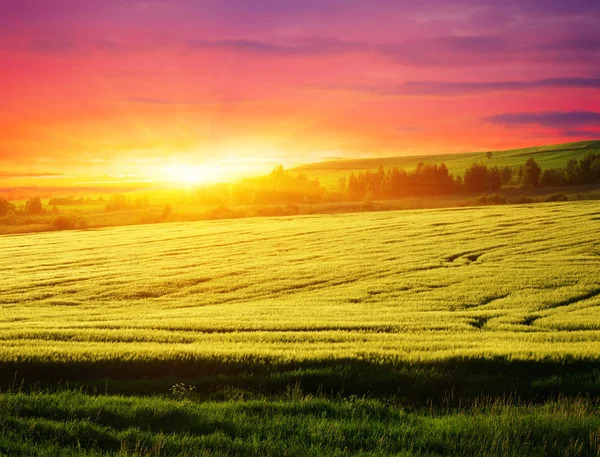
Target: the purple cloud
(254, 27)
(441, 50)
(470, 44)
(433, 51)
(458, 88)
(580, 43)
(582, 133)
(557, 7)
(109, 45)
(551, 119)
(452, 88)
(268, 11)
(302, 48)
(51, 46)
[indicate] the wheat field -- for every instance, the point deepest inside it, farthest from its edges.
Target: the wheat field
(518, 282)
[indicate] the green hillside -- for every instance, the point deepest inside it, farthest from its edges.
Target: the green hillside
(550, 156)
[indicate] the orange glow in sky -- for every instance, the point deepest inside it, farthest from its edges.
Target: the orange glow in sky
(187, 92)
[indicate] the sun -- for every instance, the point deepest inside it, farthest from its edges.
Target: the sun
(187, 174)
(176, 173)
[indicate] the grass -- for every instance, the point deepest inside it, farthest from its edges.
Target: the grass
(551, 156)
(77, 424)
(470, 331)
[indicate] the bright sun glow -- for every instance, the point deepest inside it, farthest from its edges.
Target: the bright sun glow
(188, 175)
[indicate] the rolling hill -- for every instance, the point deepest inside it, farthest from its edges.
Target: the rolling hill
(550, 156)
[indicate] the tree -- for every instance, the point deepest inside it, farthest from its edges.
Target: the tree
(589, 169)
(166, 212)
(531, 174)
(476, 178)
(355, 189)
(573, 171)
(342, 185)
(595, 169)
(116, 203)
(34, 206)
(458, 184)
(279, 186)
(6, 207)
(494, 179)
(506, 174)
(489, 154)
(552, 177)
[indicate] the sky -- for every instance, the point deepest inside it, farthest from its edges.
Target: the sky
(102, 91)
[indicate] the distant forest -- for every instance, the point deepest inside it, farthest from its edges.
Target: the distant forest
(282, 186)
(291, 188)
(434, 180)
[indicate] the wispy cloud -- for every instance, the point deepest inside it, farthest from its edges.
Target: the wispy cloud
(458, 88)
(51, 46)
(583, 133)
(11, 174)
(444, 50)
(441, 50)
(408, 128)
(551, 119)
(303, 48)
(108, 44)
(167, 102)
(150, 101)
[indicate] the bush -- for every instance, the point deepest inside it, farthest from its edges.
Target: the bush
(223, 212)
(367, 203)
(557, 198)
(166, 213)
(182, 391)
(68, 223)
(494, 199)
(292, 209)
(521, 199)
(10, 219)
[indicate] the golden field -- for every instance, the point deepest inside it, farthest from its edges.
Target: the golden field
(519, 282)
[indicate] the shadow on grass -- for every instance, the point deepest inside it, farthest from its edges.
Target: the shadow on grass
(415, 383)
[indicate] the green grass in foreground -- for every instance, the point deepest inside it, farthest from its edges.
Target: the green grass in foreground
(74, 424)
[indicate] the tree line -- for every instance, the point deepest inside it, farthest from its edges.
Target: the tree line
(284, 186)
(435, 180)
(279, 186)
(33, 207)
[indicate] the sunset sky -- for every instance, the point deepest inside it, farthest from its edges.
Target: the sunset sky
(97, 91)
